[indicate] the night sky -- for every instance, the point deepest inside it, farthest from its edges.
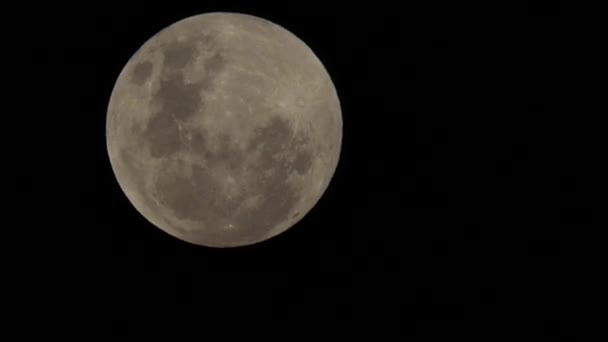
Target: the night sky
(447, 196)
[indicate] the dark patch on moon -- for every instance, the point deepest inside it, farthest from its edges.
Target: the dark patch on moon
(276, 138)
(178, 102)
(178, 99)
(141, 72)
(198, 141)
(162, 135)
(303, 162)
(178, 55)
(215, 63)
(213, 66)
(272, 139)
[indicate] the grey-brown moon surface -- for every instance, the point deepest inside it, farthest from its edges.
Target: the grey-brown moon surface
(224, 129)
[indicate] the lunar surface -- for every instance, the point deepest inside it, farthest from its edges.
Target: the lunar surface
(224, 129)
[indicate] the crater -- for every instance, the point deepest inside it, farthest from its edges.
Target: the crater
(141, 72)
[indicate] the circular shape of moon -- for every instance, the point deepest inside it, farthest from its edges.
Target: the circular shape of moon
(224, 129)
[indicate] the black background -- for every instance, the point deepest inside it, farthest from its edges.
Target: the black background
(446, 198)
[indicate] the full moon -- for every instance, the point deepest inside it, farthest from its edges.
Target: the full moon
(224, 129)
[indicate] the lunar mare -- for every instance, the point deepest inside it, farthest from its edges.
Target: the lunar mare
(224, 129)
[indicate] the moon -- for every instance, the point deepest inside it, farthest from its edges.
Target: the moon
(224, 129)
